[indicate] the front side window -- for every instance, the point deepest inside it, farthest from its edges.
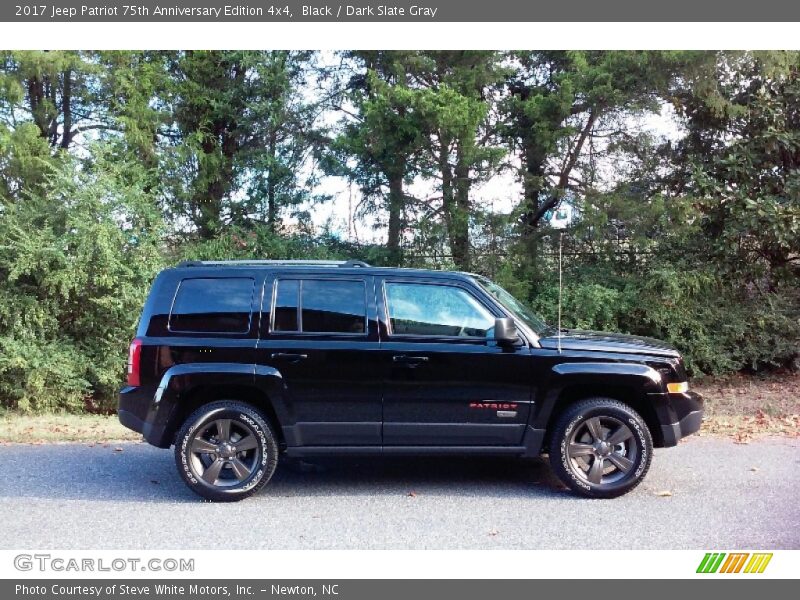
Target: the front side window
(519, 309)
(320, 306)
(436, 310)
(212, 305)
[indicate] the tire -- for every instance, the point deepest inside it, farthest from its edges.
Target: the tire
(226, 451)
(583, 452)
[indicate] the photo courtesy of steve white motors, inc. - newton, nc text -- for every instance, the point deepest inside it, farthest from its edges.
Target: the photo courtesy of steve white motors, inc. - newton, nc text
(399, 300)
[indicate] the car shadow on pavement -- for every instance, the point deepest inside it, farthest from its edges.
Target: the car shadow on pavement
(446, 476)
(138, 473)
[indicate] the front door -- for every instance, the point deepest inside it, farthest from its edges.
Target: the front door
(320, 332)
(448, 383)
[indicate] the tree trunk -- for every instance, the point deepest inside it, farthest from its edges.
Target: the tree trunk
(533, 179)
(446, 173)
(52, 117)
(36, 95)
(396, 202)
(209, 203)
(459, 227)
(209, 206)
(272, 208)
(66, 110)
(224, 140)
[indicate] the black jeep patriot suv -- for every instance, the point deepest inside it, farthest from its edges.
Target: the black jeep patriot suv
(238, 363)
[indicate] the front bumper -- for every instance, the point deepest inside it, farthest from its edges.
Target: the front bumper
(680, 415)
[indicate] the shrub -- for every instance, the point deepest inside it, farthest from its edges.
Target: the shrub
(76, 261)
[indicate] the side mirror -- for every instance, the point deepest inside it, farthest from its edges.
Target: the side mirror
(505, 331)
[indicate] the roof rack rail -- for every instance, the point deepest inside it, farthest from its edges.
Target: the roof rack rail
(259, 262)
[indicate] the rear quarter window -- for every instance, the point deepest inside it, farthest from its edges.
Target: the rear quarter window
(320, 306)
(213, 305)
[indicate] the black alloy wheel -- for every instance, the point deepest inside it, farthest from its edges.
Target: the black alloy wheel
(226, 451)
(601, 448)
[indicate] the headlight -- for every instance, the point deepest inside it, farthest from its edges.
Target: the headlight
(678, 388)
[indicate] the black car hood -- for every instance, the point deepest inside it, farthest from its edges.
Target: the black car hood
(602, 341)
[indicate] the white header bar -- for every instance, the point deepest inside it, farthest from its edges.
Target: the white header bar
(394, 36)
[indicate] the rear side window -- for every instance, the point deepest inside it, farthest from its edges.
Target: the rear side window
(320, 306)
(286, 303)
(212, 305)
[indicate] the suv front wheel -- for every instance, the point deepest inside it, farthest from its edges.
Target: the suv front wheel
(226, 451)
(601, 448)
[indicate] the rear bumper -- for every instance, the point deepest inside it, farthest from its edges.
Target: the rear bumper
(680, 415)
(130, 420)
(137, 411)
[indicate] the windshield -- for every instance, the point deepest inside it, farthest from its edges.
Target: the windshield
(519, 310)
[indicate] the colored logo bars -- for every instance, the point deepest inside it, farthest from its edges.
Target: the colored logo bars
(713, 562)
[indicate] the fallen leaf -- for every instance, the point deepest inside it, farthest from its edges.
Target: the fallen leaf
(664, 493)
(754, 469)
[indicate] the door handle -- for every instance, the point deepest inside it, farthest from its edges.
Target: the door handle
(413, 361)
(288, 356)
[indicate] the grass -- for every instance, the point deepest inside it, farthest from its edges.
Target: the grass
(62, 427)
(738, 406)
(745, 407)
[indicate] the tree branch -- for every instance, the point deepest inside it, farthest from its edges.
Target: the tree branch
(563, 178)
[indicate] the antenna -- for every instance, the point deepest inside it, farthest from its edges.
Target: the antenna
(560, 220)
(560, 285)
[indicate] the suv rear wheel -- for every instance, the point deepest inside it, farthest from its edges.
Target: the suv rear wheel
(601, 448)
(226, 451)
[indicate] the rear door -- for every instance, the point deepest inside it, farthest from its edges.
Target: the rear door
(448, 383)
(319, 331)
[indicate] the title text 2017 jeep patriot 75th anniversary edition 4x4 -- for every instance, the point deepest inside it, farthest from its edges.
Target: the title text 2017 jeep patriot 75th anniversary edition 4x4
(238, 363)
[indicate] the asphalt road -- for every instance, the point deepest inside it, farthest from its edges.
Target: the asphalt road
(724, 495)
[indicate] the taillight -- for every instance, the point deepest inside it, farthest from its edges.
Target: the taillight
(134, 359)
